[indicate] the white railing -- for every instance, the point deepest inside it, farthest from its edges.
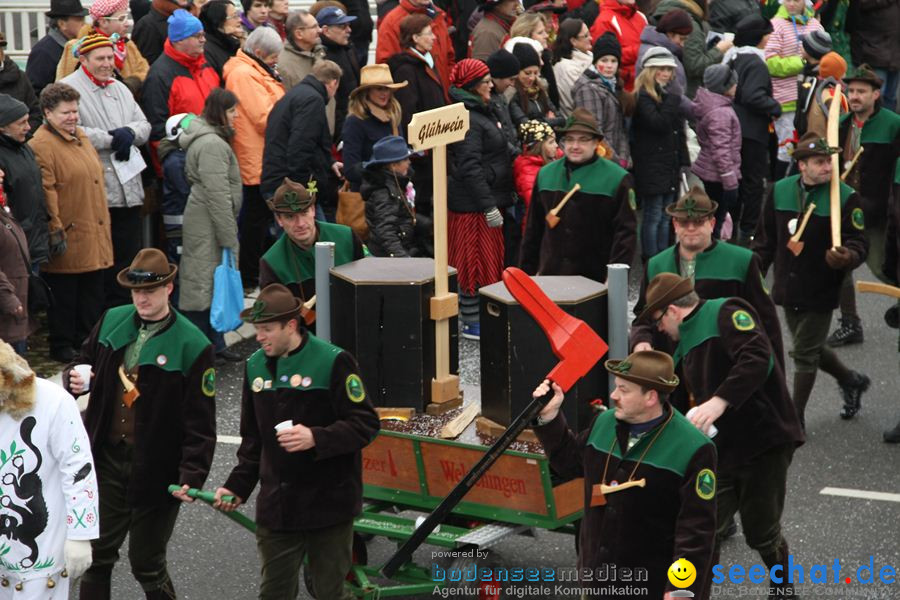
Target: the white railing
(24, 24)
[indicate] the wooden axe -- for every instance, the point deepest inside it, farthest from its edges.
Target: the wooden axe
(852, 163)
(552, 218)
(306, 311)
(794, 244)
(578, 347)
(873, 287)
(831, 138)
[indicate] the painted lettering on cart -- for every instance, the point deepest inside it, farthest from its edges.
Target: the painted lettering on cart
(380, 465)
(454, 471)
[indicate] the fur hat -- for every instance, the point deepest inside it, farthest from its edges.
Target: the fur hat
(17, 382)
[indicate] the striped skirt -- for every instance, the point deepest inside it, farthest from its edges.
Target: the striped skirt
(475, 250)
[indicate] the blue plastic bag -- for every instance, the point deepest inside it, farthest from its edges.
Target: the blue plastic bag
(228, 295)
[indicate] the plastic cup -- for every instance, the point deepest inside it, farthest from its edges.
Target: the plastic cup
(284, 425)
(85, 372)
(712, 428)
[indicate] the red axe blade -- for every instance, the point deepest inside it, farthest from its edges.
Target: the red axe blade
(577, 346)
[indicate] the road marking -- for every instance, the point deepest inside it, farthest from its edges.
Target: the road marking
(864, 494)
(228, 439)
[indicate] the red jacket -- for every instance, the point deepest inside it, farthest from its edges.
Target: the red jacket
(389, 39)
(627, 23)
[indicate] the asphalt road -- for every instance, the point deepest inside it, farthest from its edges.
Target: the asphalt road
(212, 558)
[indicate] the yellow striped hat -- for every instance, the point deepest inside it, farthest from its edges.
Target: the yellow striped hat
(91, 42)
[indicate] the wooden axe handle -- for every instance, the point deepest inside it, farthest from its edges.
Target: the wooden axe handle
(555, 210)
(806, 216)
(832, 139)
(310, 303)
(874, 287)
(852, 163)
(609, 489)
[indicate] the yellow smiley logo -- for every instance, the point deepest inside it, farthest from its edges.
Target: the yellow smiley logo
(682, 573)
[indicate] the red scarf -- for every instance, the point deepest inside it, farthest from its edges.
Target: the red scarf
(96, 81)
(194, 65)
(119, 49)
(490, 16)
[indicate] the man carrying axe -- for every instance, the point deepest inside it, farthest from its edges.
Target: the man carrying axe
(579, 233)
(870, 139)
(649, 475)
(151, 420)
(807, 285)
(291, 261)
(728, 365)
(718, 269)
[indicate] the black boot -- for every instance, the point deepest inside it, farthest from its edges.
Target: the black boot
(850, 332)
(165, 592)
(783, 590)
(95, 590)
(803, 387)
(892, 436)
(852, 390)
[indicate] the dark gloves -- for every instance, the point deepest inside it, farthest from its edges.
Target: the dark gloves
(58, 242)
(122, 139)
(839, 258)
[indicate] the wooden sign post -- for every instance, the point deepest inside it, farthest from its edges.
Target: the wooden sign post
(433, 130)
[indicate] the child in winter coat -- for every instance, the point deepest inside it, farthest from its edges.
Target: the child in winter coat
(599, 89)
(719, 133)
(539, 148)
(784, 58)
(386, 191)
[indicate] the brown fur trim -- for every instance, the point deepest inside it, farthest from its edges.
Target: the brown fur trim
(16, 382)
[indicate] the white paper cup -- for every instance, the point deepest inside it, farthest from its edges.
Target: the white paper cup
(85, 372)
(282, 426)
(712, 428)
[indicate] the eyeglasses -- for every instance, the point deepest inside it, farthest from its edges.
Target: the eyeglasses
(655, 322)
(200, 36)
(144, 276)
(123, 19)
(341, 26)
(316, 26)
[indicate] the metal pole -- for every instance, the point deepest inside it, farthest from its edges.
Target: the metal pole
(324, 262)
(617, 313)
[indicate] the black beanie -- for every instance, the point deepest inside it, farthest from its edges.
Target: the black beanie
(607, 45)
(11, 110)
(526, 55)
(750, 30)
(503, 64)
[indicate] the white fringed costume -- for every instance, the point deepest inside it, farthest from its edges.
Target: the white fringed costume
(48, 486)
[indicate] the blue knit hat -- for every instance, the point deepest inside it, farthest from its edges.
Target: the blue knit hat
(183, 25)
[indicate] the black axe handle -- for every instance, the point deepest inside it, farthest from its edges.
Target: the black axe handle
(437, 516)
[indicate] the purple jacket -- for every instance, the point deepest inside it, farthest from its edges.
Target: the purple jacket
(719, 136)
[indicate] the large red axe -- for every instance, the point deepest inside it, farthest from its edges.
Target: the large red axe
(576, 345)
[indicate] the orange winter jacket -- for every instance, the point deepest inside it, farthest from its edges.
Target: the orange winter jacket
(257, 92)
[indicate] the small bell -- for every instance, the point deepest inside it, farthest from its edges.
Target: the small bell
(4, 582)
(50, 583)
(64, 573)
(19, 587)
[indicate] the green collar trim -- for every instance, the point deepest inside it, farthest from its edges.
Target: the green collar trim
(173, 349)
(307, 370)
(723, 261)
(672, 451)
(292, 264)
(600, 178)
(786, 195)
(703, 325)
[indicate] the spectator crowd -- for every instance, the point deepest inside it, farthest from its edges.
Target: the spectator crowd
(172, 123)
